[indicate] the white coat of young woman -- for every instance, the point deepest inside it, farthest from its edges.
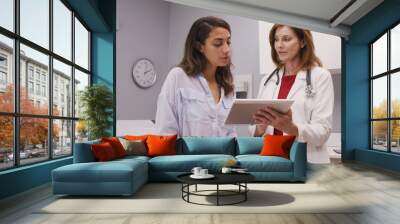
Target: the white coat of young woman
(196, 105)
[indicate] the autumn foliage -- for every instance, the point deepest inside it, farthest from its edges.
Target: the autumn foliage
(33, 131)
(380, 127)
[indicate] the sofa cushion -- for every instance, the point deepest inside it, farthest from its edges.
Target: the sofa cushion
(249, 145)
(277, 145)
(133, 158)
(83, 152)
(257, 163)
(116, 145)
(185, 163)
(206, 145)
(161, 145)
(103, 152)
(112, 171)
(136, 137)
(134, 147)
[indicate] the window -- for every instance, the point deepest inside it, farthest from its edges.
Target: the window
(81, 45)
(7, 14)
(63, 140)
(62, 74)
(3, 78)
(385, 94)
(55, 126)
(30, 72)
(30, 87)
(7, 143)
(3, 72)
(6, 73)
(35, 21)
(62, 29)
(38, 89)
(43, 77)
(81, 81)
(33, 149)
(3, 61)
(37, 75)
(44, 91)
(55, 101)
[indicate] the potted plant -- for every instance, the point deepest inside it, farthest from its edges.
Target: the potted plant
(96, 102)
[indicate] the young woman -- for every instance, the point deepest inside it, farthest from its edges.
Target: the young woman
(299, 76)
(197, 94)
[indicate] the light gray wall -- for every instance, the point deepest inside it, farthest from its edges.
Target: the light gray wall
(243, 35)
(157, 30)
(142, 31)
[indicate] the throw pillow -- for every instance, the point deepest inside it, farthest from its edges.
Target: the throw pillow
(103, 151)
(277, 145)
(136, 137)
(136, 147)
(116, 145)
(161, 145)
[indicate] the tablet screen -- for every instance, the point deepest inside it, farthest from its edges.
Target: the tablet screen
(242, 110)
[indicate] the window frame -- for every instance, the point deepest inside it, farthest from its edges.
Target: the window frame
(16, 114)
(388, 74)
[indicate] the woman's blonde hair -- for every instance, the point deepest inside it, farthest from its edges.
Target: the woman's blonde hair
(308, 59)
(194, 62)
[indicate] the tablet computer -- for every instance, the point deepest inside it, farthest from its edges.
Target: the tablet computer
(242, 110)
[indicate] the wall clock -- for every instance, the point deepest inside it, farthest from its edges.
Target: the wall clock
(144, 73)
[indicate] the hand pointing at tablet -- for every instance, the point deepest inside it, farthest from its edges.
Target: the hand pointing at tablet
(268, 116)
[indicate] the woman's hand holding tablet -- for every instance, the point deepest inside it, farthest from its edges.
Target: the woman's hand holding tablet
(242, 110)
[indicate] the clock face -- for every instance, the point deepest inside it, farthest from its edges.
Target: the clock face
(143, 73)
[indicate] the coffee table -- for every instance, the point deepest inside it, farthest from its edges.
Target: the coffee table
(238, 179)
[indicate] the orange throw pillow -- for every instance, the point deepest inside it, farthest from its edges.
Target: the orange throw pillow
(116, 145)
(136, 137)
(277, 145)
(103, 152)
(161, 145)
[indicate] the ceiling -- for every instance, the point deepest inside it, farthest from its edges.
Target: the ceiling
(326, 16)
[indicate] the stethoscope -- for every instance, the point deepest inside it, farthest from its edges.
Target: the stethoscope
(309, 88)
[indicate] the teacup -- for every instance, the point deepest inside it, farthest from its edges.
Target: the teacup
(203, 172)
(196, 170)
(226, 170)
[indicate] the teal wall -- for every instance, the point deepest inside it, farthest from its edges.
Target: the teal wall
(355, 73)
(24, 178)
(103, 52)
(103, 58)
(92, 12)
(99, 16)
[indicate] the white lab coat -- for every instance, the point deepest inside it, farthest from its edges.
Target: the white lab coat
(311, 115)
(186, 107)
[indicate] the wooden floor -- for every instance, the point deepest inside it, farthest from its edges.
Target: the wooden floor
(351, 181)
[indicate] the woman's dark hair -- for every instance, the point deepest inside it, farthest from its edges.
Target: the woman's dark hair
(194, 61)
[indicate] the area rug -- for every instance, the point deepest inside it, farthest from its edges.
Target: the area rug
(167, 198)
